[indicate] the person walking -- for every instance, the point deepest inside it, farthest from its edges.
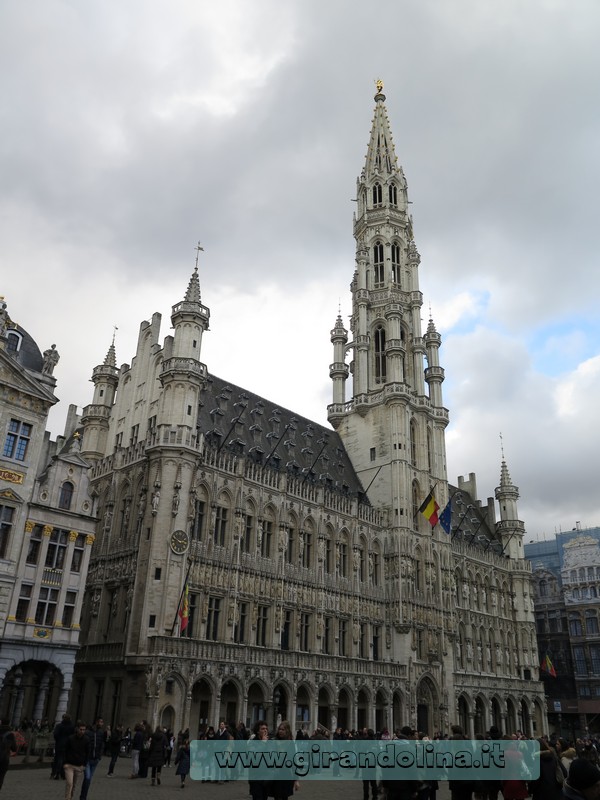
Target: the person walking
(114, 748)
(182, 762)
(156, 754)
(136, 746)
(61, 733)
(7, 743)
(77, 753)
(96, 735)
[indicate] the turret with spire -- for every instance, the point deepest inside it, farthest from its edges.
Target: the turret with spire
(183, 374)
(96, 416)
(510, 529)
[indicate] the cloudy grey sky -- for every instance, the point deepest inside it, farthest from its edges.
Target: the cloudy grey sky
(130, 131)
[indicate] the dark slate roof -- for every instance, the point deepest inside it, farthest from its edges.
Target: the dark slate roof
(239, 421)
(469, 523)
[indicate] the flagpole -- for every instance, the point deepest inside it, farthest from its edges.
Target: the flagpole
(187, 575)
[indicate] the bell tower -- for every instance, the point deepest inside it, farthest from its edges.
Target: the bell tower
(393, 425)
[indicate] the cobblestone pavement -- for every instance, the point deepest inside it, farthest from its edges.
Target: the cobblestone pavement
(34, 782)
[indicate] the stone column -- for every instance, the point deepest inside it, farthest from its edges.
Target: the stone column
(471, 723)
(19, 696)
(41, 696)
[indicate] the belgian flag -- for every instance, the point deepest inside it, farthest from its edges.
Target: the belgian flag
(429, 509)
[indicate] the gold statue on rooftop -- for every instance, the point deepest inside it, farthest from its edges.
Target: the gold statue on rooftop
(379, 85)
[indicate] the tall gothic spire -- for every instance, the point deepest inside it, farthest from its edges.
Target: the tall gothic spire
(381, 158)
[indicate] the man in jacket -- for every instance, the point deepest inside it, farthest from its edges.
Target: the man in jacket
(97, 738)
(77, 753)
(583, 782)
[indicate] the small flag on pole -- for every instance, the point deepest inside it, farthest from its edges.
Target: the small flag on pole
(184, 610)
(548, 666)
(429, 509)
(446, 517)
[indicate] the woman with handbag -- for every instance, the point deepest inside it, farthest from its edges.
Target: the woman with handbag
(552, 775)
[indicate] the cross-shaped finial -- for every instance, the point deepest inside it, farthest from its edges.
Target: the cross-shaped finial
(198, 248)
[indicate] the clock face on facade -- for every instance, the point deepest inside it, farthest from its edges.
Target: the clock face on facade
(179, 542)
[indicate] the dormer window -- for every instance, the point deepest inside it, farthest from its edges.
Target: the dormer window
(66, 495)
(13, 342)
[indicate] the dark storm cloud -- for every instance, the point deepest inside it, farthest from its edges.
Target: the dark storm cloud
(130, 132)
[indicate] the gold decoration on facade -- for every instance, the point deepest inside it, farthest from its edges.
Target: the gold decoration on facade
(47, 530)
(73, 536)
(11, 476)
(90, 538)
(29, 526)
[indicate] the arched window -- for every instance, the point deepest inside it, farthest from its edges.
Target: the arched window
(377, 195)
(380, 360)
(66, 495)
(429, 450)
(416, 503)
(378, 265)
(393, 194)
(395, 253)
(413, 443)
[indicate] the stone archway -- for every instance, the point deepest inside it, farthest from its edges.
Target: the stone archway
(324, 708)
(256, 704)
(303, 720)
(362, 710)
(381, 712)
(525, 719)
(398, 712)
(281, 703)
(167, 718)
(343, 709)
(230, 703)
(201, 709)
(31, 690)
(428, 706)
(463, 714)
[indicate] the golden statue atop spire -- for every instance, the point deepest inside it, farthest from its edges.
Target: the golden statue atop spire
(379, 85)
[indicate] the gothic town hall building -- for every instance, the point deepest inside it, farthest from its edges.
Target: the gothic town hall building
(316, 590)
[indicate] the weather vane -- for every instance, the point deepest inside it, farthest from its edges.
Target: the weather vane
(198, 248)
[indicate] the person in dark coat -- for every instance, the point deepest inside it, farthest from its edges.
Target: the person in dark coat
(182, 761)
(7, 743)
(547, 787)
(583, 782)
(62, 731)
(281, 790)
(114, 748)
(156, 754)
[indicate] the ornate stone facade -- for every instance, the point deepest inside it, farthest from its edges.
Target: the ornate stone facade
(316, 590)
(46, 530)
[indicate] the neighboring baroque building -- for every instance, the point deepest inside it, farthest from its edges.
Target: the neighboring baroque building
(46, 533)
(317, 592)
(566, 574)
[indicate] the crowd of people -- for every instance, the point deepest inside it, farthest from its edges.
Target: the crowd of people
(79, 748)
(569, 770)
